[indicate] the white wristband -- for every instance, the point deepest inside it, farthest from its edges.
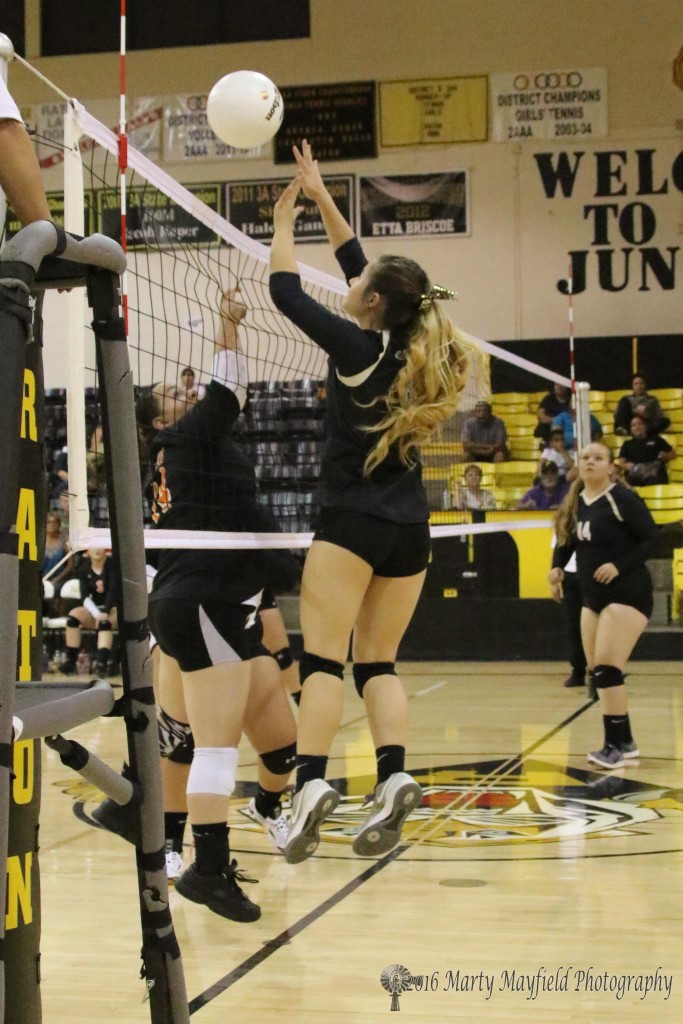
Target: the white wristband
(230, 370)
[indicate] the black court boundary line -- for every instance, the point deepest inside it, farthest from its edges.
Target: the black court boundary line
(273, 945)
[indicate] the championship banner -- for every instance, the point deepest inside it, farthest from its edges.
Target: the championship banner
(249, 207)
(55, 201)
(559, 105)
(187, 137)
(422, 205)
(143, 127)
(433, 111)
(338, 119)
(154, 219)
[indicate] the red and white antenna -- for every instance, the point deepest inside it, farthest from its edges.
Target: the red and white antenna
(572, 367)
(123, 155)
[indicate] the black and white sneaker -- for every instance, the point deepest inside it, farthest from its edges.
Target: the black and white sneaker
(276, 828)
(219, 893)
(630, 750)
(394, 801)
(608, 758)
(310, 806)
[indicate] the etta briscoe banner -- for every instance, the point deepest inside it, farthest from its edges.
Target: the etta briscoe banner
(187, 137)
(249, 207)
(414, 204)
(558, 105)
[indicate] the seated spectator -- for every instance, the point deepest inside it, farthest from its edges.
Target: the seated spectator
(97, 482)
(566, 421)
(644, 456)
(470, 495)
(557, 452)
(60, 470)
(187, 382)
(56, 548)
(59, 502)
(644, 405)
(484, 436)
(556, 401)
(548, 493)
(98, 593)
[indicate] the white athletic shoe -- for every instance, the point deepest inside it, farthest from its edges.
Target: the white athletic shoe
(394, 800)
(310, 806)
(276, 829)
(174, 865)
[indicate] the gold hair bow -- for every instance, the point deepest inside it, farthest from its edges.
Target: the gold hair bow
(436, 292)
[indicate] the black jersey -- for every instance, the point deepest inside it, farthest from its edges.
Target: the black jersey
(203, 480)
(99, 586)
(362, 367)
(616, 527)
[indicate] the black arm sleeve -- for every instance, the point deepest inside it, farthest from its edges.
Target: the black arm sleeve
(351, 259)
(562, 553)
(636, 515)
(351, 348)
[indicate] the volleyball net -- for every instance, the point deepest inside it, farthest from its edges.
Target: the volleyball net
(183, 255)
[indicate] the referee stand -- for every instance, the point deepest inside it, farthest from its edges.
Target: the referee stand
(43, 256)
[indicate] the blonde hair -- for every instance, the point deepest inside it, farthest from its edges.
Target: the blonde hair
(438, 359)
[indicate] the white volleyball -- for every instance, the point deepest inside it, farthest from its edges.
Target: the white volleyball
(245, 109)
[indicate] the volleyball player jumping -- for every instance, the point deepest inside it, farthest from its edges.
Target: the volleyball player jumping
(394, 375)
(613, 534)
(204, 609)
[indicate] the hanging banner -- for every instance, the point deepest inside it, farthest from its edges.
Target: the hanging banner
(249, 207)
(433, 111)
(187, 137)
(337, 119)
(559, 105)
(143, 127)
(55, 200)
(153, 219)
(414, 204)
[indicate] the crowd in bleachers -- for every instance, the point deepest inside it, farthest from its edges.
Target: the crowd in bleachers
(510, 443)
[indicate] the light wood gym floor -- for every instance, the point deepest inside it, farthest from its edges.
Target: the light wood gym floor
(522, 868)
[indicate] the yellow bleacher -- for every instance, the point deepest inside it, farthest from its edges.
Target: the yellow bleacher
(665, 501)
(505, 402)
(676, 597)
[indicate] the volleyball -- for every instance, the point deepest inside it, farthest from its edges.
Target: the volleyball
(245, 109)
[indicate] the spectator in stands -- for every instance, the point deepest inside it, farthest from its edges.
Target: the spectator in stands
(644, 456)
(566, 421)
(60, 470)
(548, 493)
(644, 405)
(60, 501)
(20, 176)
(557, 452)
(189, 385)
(56, 548)
(97, 483)
(470, 495)
(556, 401)
(98, 593)
(484, 436)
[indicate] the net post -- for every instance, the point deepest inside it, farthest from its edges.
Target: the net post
(20, 453)
(161, 954)
(74, 301)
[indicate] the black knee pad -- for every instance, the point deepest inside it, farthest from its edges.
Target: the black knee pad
(281, 761)
(608, 676)
(309, 663)
(176, 741)
(72, 622)
(284, 658)
(364, 670)
(104, 626)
